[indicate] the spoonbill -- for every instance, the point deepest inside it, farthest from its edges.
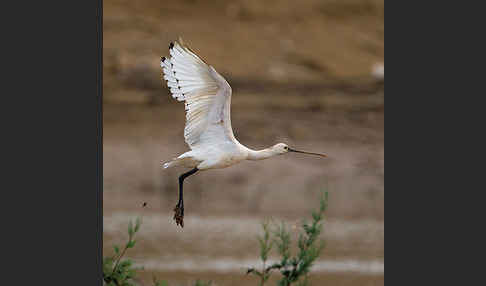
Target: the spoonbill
(208, 132)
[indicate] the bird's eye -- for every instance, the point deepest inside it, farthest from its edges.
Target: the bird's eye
(286, 148)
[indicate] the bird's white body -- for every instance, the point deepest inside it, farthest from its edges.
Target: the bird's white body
(220, 155)
(208, 130)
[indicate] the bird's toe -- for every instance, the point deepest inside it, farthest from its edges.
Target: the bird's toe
(179, 215)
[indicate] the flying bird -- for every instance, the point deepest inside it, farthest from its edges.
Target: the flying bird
(207, 98)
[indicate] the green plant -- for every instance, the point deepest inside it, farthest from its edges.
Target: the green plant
(292, 268)
(120, 272)
(116, 270)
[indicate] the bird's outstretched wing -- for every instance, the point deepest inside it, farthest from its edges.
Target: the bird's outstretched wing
(206, 93)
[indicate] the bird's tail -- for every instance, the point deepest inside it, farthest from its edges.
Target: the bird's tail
(184, 161)
(169, 164)
(165, 165)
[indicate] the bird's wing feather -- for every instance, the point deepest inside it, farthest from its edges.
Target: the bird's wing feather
(206, 93)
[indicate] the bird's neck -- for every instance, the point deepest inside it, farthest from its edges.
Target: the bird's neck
(260, 154)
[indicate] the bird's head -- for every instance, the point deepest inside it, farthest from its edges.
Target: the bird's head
(282, 148)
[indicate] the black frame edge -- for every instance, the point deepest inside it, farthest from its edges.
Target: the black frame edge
(99, 136)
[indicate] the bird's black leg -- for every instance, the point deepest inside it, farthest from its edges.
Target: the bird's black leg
(179, 209)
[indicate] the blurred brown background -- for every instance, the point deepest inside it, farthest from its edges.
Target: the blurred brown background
(309, 73)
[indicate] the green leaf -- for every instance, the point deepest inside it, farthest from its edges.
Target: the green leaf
(130, 228)
(116, 248)
(131, 244)
(138, 222)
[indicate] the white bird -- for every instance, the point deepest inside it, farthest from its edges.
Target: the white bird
(208, 132)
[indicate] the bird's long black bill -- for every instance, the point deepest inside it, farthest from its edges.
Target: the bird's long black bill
(308, 153)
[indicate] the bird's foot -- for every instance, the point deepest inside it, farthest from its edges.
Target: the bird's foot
(179, 215)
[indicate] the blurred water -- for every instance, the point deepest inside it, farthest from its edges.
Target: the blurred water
(230, 265)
